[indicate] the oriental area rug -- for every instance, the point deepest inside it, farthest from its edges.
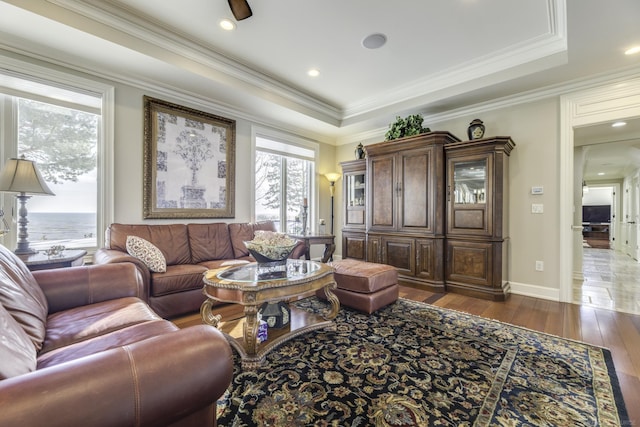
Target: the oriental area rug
(413, 364)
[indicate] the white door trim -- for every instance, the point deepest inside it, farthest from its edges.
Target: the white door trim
(613, 101)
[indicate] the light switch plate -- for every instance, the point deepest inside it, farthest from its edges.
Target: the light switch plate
(537, 208)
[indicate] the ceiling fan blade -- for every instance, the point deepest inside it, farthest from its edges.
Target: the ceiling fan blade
(240, 9)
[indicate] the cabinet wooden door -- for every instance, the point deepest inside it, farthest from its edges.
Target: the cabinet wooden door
(477, 268)
(470, 194)
(381, 174)
(399, 252)
(354, 245)
(404, 190)
(469, 262)
(430, 261)
(355, 195)
(374, 248)
(416, 176)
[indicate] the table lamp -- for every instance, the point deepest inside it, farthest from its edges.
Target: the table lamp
(22, 176)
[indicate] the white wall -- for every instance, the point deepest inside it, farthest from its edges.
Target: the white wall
(597, 196)
(129, 161)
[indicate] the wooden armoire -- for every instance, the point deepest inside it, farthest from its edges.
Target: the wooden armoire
(406, 207)
(434, 208)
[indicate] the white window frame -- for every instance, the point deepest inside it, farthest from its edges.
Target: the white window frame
(285, 138)
(105, 153)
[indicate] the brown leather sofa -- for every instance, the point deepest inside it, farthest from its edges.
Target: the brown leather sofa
(189, 251)
(79, 347)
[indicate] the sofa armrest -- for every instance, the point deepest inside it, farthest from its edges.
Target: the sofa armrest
(70, 287)
(155, 382)
(114, 256)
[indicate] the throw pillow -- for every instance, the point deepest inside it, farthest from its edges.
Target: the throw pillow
(147, 252)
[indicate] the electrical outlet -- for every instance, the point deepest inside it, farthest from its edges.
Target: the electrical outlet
(539, 265)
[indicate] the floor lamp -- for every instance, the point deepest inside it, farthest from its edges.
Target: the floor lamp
(332, 177)
(22, 176)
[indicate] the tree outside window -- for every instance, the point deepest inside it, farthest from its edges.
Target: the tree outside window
(282, 184)
(63, 142)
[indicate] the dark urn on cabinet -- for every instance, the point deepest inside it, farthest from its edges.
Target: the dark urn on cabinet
(475, 129)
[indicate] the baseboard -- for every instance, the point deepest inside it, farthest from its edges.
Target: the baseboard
(535, 291)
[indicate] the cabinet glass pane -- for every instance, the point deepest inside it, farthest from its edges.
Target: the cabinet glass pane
(355, 190)
(470, 181)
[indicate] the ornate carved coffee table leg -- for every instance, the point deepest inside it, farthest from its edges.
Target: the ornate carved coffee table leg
(333, 299)
(207, 314)
(250, 332)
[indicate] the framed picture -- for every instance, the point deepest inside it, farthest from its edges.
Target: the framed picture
(189, 162)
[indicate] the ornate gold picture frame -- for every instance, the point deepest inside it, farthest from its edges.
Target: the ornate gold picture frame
(189, 162)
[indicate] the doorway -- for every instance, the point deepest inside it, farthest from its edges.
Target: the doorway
(599, 215)
(614, 101)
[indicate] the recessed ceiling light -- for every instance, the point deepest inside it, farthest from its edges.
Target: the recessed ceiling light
(374, 41)
(313, 72)
(618, 124)
(227, 24)
(600, 173)
(633, 50)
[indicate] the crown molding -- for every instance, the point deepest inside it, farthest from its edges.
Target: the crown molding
(196, 100)
(166, 40)
(544, 51)
(624, 75)
(153, 33)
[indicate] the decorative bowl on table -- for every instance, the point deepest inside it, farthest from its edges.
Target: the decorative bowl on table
(270, 247)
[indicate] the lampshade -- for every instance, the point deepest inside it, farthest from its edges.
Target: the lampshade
(332, 176)
(22, 176)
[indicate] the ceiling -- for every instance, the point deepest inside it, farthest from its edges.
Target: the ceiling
(439, 56)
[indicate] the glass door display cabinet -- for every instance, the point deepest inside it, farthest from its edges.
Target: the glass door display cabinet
(477, 220)
(354, 209)
(467, 194)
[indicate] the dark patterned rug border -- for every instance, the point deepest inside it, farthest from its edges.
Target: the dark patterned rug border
(605, 354)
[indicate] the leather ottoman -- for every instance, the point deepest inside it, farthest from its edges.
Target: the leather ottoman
(364, 286)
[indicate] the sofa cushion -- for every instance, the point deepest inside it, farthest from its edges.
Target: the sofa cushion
(17, 352)
(240, 233)
(114, 339)
(86, 322)
(146, 252)
(22, 297)
(178, 278)
(209, 242)
(171, 239)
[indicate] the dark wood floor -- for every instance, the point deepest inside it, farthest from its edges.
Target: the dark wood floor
(616, 331)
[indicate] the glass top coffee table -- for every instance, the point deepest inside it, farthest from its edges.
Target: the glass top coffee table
(253, 284)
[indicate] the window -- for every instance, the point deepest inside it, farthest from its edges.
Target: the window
(63, 142)
(63, 123)
(284, 175)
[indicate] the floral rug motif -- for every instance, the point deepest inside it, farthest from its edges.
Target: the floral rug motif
(414, 364)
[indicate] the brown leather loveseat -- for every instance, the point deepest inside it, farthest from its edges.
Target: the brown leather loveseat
(189, 251)
(79, 347)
